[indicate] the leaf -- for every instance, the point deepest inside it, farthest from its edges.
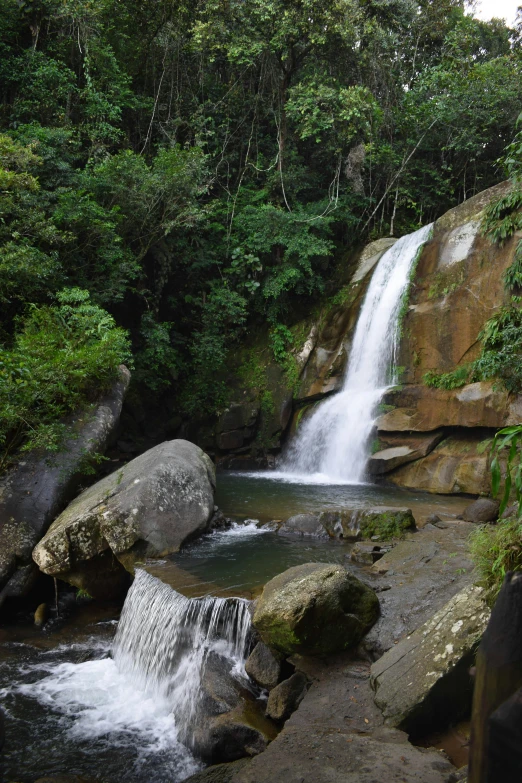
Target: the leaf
(495, 477)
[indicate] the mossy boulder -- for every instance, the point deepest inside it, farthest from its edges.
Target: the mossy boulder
(314, 609)
(354, 524)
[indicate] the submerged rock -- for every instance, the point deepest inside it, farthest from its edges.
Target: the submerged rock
(38, 488)
(264, 666)
(150, 507)
(304, 525)
(286, 697)
(423, 682)
(313, 609)
(482, 510)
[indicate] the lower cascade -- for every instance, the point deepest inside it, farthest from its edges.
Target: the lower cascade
(164, 640)
(333, 442)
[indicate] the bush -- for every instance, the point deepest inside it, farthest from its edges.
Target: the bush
(497, 549)
(63, 357)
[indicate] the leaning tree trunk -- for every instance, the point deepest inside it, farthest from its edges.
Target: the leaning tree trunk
(498, 676)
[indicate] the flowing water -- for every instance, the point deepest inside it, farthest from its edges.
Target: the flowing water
(332, 443)
(123, 709)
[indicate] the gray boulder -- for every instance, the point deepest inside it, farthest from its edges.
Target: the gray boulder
(303, 525)
(314, 608)
(423, 682)
(482, 510)
(264, 666)
(38, 488)
(151, 507)
(218, 773)
(286, 697)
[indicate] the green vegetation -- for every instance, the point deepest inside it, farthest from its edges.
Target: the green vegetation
(496, 549)
(197, 169)
(386, 524)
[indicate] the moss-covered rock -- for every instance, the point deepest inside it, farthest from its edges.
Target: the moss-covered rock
(313, 609)
(382, 521)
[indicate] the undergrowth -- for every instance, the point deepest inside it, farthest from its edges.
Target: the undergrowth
(496, 550)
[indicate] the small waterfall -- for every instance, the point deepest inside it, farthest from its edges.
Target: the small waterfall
(333, 441)
(164, 639)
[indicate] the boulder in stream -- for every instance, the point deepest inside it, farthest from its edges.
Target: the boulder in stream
(150, 507)
(303, 525)
(314, 608)
(423, 683)
(263, 665)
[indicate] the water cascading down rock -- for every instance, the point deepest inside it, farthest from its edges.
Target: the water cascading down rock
(333, 441)
(191, 653)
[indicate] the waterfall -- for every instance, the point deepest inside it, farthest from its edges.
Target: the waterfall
(333, 441)
(164, 639)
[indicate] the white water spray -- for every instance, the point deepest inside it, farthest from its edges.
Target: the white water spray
(164, 639)
(332, 444)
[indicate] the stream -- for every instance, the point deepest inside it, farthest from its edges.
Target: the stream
(73, 710)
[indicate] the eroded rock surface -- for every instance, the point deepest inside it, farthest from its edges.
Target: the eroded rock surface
(314, 608)
(151, 506)
(285, 698)
(423, 683)
(303, 525)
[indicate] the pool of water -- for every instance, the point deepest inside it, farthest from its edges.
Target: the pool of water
(241, 560)
(271, 495)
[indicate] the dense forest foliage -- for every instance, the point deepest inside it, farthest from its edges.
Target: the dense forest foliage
(174, 173)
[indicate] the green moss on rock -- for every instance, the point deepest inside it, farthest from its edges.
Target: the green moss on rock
(315, 609)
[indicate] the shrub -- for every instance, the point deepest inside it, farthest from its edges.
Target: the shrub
(497, 549)
(63, 357)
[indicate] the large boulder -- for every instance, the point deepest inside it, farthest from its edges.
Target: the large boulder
(151, 507)
(423, 682)
(38, 488)
(314, 608)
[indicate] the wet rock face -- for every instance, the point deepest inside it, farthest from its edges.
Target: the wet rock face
(423, 683)
(34, 493)
(482, 510)
(314, 609)
(154, 504)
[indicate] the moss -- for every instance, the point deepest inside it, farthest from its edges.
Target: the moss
(447, 281)
(386, 524)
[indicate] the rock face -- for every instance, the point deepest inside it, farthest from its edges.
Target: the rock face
(400, 449)
(34, 493)
(482, 510)
(314, 609)
(460, 463)
(423, 683)
(150, 507)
